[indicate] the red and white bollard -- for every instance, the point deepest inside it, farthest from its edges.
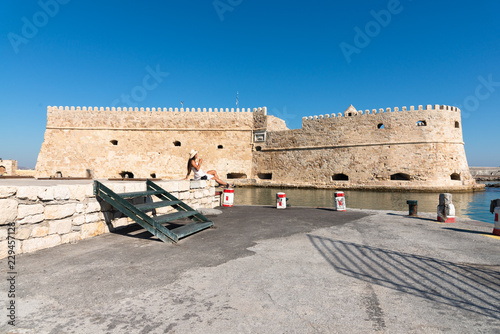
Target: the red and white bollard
(228, 198)
(496, 229)
(280, 201)
(340, 201)
(445, 209)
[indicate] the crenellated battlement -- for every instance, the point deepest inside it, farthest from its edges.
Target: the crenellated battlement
(351, 111)
(157, 110)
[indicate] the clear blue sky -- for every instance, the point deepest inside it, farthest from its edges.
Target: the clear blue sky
(296, 58)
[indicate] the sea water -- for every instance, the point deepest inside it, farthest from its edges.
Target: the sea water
(474, 205)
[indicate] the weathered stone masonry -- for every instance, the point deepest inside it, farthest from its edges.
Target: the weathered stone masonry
(420, 149)
(416, 148)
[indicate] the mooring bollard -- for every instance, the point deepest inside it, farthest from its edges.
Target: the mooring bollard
(495, 208)
(412, 207)
(340, 201)
(280, 201)
(228, 197)
(445, 209)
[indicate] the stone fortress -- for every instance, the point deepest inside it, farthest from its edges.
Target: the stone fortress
(395, 149)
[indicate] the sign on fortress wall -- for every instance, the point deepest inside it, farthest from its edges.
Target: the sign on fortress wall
(417, 148)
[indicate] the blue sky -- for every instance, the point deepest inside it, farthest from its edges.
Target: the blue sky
(296, 58)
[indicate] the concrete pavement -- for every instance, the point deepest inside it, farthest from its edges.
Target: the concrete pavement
(262, 270)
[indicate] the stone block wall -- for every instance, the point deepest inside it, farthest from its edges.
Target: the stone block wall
(8, 167)
(49, 215)
(107, 143)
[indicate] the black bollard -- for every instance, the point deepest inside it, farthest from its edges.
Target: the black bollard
(413, 207)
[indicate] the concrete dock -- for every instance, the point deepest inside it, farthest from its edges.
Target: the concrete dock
(263, 270)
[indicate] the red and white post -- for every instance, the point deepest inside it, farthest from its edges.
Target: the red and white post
(228, 197)
(445, 209)
(280, 201)
(340, 201)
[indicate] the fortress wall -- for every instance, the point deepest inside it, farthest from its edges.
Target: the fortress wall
(43, 216)
(356, 147)
(108, 143)
(424, 144)
(399, 126)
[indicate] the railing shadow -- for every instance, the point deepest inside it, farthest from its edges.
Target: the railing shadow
(464, 286)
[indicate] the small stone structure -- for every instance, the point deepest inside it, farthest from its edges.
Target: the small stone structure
(416, 148)
(49, 215)
(8, 167)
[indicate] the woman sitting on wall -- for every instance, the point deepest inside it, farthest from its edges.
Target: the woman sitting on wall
(199, 174)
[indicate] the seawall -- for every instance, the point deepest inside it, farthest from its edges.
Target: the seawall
(43, 214)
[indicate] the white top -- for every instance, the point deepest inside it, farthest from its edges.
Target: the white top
(199, 173)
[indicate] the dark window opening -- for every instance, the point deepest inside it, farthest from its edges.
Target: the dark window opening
(153, 175)
(457, 125)
(236, 176)
(114, 142)
(400, 177)
(177, 143)
(381, 126)
(421, 123)
(265, 176)
(340, 177)
(127, 175)
(220, 147)
(258, 148)
(455, 177)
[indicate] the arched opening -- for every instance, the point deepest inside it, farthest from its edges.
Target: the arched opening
(400, 177)
(457, 125)
(236, 176)
(220, 147)
(381, 126)
(114, 142)
(258, 148)
(177, 143)
(265, 176)
(59, 174)
(340, 177)
(421, 123)
(3, 170)
(455, 177)
(127, 175)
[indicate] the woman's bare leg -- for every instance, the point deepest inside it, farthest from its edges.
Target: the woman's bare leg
(216, 177)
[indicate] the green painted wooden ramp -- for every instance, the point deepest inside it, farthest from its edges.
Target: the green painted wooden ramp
(154, 224)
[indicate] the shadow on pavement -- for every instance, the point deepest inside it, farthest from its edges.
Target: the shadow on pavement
(468, 287)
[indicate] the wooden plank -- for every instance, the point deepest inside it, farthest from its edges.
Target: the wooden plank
(184, 231)
(132, 212)
(146, 225)
(141, 193)
(181, 206)
(155, 205)
(174, 216)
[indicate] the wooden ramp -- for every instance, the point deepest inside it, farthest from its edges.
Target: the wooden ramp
(154, 224)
